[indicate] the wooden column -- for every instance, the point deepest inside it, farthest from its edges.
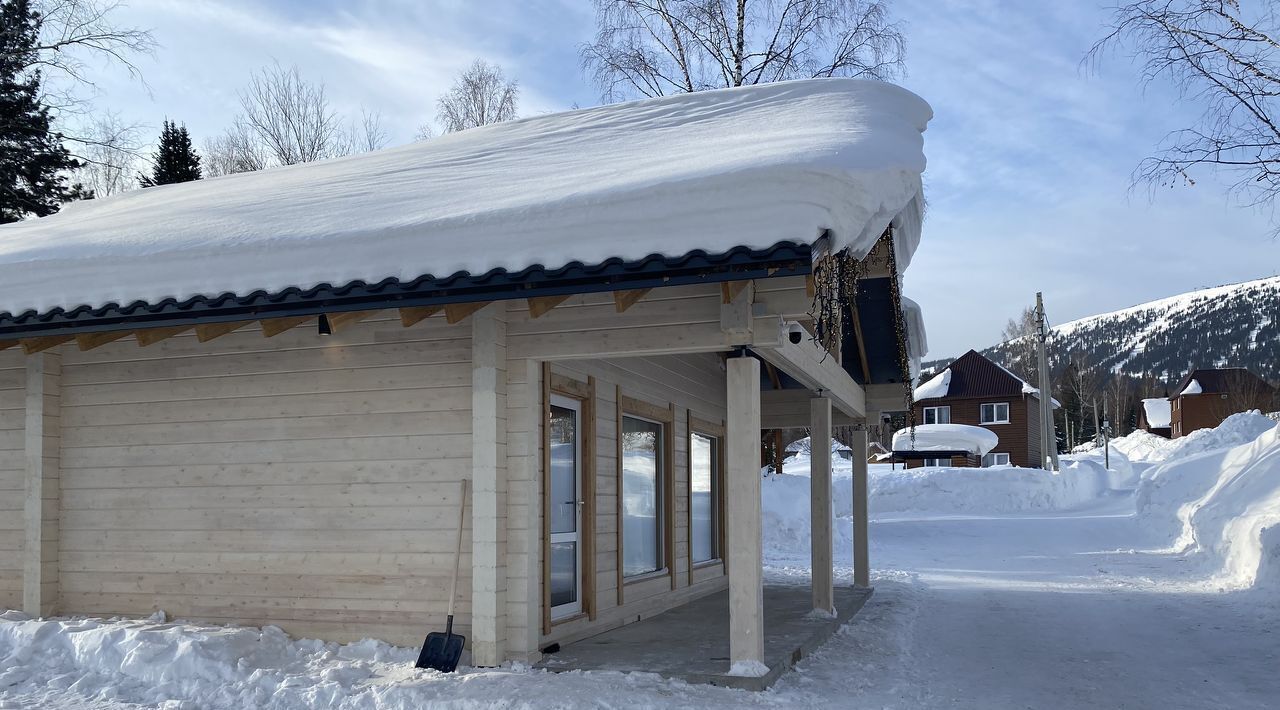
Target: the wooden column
(861, 563)
(42, 486)
(743, 519)
(489, 471)
(820, 505)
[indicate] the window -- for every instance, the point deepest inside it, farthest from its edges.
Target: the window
(995, 460)
(995, 413)
(937, 462)
(704, 492)
(937, 415)
(642, 496)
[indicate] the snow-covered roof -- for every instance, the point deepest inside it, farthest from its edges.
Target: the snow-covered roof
(936, 387)
(1027, 388)
(1158, 412)
(946, 437)
(1193, 387)
(714, 170)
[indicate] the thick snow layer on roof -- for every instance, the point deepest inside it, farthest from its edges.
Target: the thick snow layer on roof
(749, 166)
(1158, 411)
(937, 386)
(1193, 387)
(946, 437)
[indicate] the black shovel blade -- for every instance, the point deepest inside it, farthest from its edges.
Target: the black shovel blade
(441, 651)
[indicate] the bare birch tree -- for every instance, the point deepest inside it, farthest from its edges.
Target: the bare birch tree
(235, 151)
(77, 35)
(291, 117)
(367, 134)
(1019, 337)
(480, 96)
(108, 150)
(1226, 55)
(659, 47)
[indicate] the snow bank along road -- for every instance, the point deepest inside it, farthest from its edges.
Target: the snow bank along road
(1057, 600)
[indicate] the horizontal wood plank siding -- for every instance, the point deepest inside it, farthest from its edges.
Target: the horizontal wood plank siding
(301, 481)
(12, 423)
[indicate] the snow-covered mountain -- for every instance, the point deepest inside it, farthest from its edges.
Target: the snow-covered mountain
(1236, 325)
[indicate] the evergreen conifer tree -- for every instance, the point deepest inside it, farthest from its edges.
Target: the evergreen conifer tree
(176, 160)
(33, 161)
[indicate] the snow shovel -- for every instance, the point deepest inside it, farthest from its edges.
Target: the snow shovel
(441, 651)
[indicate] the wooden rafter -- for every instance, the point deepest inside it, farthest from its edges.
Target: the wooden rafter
(31, 346)
(810, 286)
(541, 305)
(272, 327)
(622, 300)
(455, 313)
(774, 379)
(89, 341)
(342, 321)
(6, 344)
(209, 331)
(151, 336)
(417, 314)
(862, 346)
(729, 290)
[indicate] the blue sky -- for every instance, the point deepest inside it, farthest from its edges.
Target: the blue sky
(1030, 153)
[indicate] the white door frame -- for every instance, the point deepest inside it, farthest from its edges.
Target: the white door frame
(574, 607)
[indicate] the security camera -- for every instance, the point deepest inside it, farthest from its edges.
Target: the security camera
(795, 333)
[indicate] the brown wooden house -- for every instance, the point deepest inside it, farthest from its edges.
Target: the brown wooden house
(1207, 396)
(976, 391)
(1154, 416)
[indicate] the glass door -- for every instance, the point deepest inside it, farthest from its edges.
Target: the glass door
(564, 440)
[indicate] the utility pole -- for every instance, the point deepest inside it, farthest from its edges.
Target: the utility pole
(1106, 436)
(1048, 439)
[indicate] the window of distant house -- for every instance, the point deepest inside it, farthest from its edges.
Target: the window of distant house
(704, 489)
(995, 413)
(937, 462)
(995, 460)
(642, 495)
(937, 415)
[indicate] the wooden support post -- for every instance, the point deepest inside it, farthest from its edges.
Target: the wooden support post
(861, 563)
(489, 469)
(820, 506)
(622, 300)
(743, 521)
(42, 484)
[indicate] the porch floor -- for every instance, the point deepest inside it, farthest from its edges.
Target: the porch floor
(691, 642)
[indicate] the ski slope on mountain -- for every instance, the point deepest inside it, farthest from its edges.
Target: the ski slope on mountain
(1234, 325)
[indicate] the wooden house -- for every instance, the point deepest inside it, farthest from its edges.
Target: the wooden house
(1205, 397)
(975, 391)
(1155, 416)
(253, 399)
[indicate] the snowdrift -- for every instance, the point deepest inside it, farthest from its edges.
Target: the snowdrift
(1236, 429)
(1222, 508)
(928, 491)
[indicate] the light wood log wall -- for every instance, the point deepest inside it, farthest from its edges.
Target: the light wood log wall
(302, 481)
(693, 383)
(12, 397)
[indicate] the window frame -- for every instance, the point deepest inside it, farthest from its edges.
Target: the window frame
(715, 432)
(665, 417)
(554, 383)
(1008, 411)
(924, 414)
(1007, 460)
(927, 463)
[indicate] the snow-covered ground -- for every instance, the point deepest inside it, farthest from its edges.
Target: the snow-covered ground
(1149, 586)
